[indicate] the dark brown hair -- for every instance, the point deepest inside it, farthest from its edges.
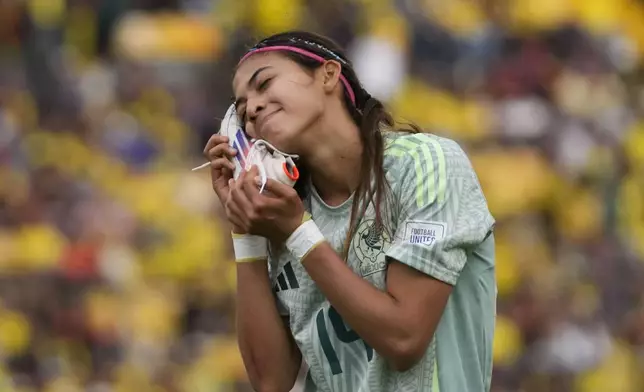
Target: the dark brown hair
(368, 113)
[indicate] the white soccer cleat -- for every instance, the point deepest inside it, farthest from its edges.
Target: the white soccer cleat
(271, 162)
(232, 128)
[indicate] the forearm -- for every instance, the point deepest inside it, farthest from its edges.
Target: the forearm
(270, 355)
(361, 305)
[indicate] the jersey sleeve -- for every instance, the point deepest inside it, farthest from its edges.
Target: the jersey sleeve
(442, 212)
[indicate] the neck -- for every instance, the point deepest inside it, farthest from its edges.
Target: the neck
(334, 158)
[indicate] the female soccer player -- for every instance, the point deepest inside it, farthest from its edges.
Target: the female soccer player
(380, 269)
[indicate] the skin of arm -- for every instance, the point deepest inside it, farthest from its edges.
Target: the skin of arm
(270, 354)
(406, 313)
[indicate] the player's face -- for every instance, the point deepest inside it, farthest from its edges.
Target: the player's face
(277, 99)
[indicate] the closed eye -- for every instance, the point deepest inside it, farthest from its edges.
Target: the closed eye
(264, 85)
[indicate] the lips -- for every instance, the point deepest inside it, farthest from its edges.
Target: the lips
(263, 120)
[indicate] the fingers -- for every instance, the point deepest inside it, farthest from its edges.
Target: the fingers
(222, 164)
(249, 184)
(246, 207)
(233, 212)
(219, 151)
(236, 221)
(214, 140)
(218, 147)
(252, 173)
(274, 189)
(239, 203)
(280, 190)
(234, 217)
(221, 171)
(262, 205)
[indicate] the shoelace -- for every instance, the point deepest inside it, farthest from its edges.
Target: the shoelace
(260, 145)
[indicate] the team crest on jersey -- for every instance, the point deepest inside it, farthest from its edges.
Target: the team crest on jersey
(370, 245)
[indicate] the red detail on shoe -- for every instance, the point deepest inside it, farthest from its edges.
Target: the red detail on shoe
(292, 175)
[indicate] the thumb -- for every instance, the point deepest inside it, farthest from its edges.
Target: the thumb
(253, 171)
(252, 176)
(220, 180)
(277, 188)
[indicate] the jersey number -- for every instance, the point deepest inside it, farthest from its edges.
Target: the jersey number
(344, 334)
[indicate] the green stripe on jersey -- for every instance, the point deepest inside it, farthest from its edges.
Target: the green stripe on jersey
(420, 148)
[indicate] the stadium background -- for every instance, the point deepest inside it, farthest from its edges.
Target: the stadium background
(115, 274)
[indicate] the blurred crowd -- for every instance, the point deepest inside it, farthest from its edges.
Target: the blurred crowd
(115, 268)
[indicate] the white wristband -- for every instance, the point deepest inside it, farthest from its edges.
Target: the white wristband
(304, 239)
(249, 247)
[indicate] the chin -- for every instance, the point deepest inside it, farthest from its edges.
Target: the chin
(283, 146)
(281, 140)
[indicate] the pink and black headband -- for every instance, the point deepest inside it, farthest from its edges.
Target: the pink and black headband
(305, 53)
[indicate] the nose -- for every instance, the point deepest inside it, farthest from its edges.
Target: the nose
(255, 107)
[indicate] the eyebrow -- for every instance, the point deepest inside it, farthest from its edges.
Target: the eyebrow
(252, 79)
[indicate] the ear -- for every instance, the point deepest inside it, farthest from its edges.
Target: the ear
(331, 70)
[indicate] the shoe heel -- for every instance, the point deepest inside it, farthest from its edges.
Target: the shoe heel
(291, 171)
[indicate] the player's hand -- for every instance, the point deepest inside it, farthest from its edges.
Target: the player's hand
(274, 214)
(219, 153)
